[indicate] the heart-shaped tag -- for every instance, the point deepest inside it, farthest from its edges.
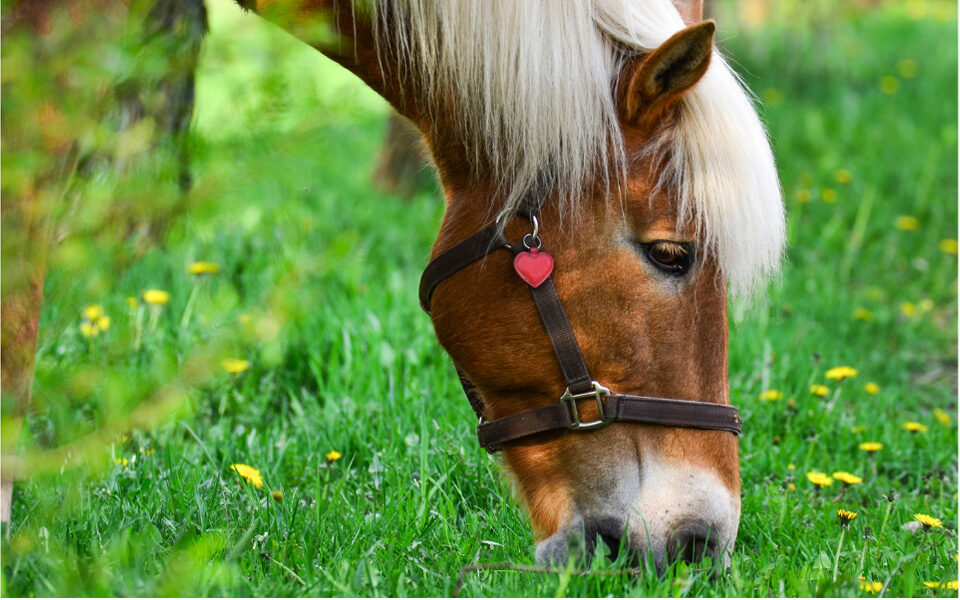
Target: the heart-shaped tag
(534, 266)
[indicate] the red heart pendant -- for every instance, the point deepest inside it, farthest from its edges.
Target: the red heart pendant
(534, 266)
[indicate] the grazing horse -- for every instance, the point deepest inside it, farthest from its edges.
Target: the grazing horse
(614, 151)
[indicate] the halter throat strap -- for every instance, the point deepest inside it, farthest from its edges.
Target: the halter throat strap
(565, 414)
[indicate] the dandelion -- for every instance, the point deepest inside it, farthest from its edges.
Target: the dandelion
(772, 96)
(122, 461)
(871, 388)
(927, 521)
(802, 195)
(158, 297)
(132, 303)
(870, 586)
(204, 267)
(771, 395)
(147, 451)
(234, 365)
(858, 429)
(103, 323)
(828, 195)
(908, 309)
(93, 312)
(871, 446)
(249, 474)
(952, 585)
(862, 314)
(948, 246)
(821, 480)
(792, 487)
(889, 85)
(907, 68)
(914, 427)
(843, 176)
(941, 416)
(907, 223)
(848, 479)
(791, 467)
(932, 585)
(841, 373)
(333, 456)
(277, 495)
(88, 329)
(845, 517)
(819, 390)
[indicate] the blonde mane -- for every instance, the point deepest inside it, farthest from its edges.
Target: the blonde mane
(532, 81)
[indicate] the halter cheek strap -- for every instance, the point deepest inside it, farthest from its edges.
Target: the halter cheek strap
(535, 268)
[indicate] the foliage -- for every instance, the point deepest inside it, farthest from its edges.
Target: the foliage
(316, 288)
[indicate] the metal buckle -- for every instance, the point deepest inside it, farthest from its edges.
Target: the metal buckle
(598, 393)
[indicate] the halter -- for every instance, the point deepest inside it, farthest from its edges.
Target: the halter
(535, 269)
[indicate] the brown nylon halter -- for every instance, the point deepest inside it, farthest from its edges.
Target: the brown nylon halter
(565, 414)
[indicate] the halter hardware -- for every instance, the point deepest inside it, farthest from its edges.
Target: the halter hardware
(563, 415)
(597, 394)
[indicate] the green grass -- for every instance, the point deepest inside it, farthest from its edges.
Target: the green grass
(326, 269)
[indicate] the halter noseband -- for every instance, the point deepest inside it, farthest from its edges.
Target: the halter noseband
(535, 268)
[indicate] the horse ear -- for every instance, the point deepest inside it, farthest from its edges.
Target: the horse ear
(690, 10)
(652, 82)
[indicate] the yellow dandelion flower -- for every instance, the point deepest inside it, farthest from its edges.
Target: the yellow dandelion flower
(952, 585)
(132, 302)
(948, 246)
(871, 446)
(122, 461)
(771, 395)
(841, 373)
(791, 467)
(234, 365)
(249, 474)
(103, 323)
(907, 223)
(931, 584)
(858, 429)
(792, 403)
(843, 176)
(941, 416)
(158, 297)
(93, 312)
(819, 390)
(889, 85)
(907, 68)
(845, 517)
(908, 309)
(820, 479)
(204, 267)
(792, 487)
(927, 521)
(871, 388)
(914, 427)
(88, 329)
(147, 451)
(862, 314)
(772, 97)
(277, 495)
(803, 195)
(333, 456)
(870, 586)
(828, 195)
(847, 478)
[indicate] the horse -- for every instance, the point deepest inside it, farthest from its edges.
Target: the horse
(607, 182)
(611, 147)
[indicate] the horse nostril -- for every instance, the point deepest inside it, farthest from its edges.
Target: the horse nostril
(609, 531)
(692, 544)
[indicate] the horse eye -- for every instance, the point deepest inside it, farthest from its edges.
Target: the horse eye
(669, 257)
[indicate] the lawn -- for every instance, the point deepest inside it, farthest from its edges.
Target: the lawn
(371, 489)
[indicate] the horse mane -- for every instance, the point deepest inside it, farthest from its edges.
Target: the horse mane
(533, 84)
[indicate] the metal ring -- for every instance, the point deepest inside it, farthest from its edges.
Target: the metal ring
(536, 240)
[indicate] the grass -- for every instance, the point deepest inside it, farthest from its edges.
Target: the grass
(317, 289)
